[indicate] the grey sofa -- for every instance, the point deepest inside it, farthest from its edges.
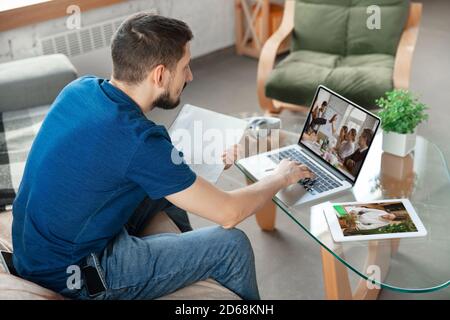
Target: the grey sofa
(33, 82)
(27, 89)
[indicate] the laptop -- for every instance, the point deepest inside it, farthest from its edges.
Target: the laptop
(334, 144)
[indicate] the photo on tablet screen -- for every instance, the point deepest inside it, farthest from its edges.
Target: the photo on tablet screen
(374, 218)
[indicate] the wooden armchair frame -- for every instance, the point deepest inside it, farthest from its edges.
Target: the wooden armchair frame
(402, 65)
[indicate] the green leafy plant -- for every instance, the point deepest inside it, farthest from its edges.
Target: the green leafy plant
(401, 111)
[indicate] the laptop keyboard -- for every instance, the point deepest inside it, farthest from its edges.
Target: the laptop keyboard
(322, 181)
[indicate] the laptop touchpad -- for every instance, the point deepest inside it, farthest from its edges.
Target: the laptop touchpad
(292, 194)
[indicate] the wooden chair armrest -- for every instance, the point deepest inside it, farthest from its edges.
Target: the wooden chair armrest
(406, 46)
(269, 53)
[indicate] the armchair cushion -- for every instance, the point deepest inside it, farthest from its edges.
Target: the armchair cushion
(363, 78)
(340, 26)
(295, 79)
(362, 40)
(360, 78)
(320, 26)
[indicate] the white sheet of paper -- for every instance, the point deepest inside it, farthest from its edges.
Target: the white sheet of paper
(205, 129)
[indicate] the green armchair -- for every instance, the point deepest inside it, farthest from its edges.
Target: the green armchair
(332, 45)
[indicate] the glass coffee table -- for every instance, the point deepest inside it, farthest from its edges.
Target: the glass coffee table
(413, 265)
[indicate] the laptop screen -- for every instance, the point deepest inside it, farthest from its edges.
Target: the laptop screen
(339, 132)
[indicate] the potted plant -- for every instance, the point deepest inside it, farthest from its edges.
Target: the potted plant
(400, 115)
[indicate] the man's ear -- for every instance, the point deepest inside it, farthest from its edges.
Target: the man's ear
(158, 76)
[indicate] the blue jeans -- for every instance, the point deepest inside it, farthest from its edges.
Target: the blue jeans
(153, 266)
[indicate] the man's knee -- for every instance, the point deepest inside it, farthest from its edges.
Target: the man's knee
(237, 238)
(239, 235)
(238, 257)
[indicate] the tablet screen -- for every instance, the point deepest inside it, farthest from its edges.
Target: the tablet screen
(373, 220)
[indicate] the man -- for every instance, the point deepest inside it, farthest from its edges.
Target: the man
(354, 162)
(98, 170)
(317, 118)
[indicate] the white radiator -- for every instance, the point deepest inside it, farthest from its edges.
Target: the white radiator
(88, 48)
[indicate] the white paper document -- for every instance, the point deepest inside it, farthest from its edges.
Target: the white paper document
(202, 136)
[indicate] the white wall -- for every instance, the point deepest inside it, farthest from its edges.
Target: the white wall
(212, 22)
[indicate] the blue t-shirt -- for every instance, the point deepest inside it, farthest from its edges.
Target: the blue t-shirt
(93, 161)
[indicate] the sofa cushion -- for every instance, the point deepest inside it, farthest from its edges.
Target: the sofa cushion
(160, 223)
(202, 290)
(5, 231)
(360, 78)
(45, 76)
(14, 288)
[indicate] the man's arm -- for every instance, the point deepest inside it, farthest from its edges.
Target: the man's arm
(333, 121)
(228, 208)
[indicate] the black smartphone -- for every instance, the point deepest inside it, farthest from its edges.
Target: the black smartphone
(93, 281)
(6, 259)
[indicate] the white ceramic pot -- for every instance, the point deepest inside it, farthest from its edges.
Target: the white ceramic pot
(398, 144)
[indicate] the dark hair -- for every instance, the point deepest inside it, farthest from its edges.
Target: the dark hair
(145, 40)
(367, 134)
(324, 103)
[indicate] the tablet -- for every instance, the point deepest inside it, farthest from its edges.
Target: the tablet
(383, 219)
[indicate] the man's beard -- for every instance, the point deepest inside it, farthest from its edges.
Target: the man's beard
(165, 102)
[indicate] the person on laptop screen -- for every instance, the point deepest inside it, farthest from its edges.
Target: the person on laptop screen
(317, 118)
(354, 161)
(347, 147)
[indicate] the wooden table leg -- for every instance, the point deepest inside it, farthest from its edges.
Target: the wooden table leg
(266, 216)
(335, 273)
(335, 277)
(395, 243)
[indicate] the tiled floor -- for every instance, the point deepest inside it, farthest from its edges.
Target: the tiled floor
(288, 261)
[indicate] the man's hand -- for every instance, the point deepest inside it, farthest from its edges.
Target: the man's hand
(228, 208)
(292, 171)
(230, 155)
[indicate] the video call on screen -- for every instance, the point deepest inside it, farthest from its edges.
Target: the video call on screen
(339, 133)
